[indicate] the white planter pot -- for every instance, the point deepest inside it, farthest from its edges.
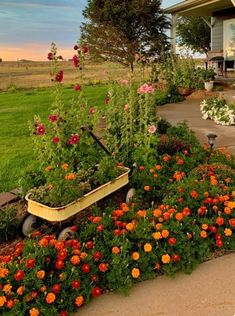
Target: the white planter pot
(209, 86)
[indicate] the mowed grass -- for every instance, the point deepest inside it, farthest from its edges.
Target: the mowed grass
(16, 111)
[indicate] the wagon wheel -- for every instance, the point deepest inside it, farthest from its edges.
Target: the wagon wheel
(130, 195)
(29, 225)
(65, 234)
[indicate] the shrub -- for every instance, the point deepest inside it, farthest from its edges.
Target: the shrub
(8, 223)
(171, 145)
(163, 126)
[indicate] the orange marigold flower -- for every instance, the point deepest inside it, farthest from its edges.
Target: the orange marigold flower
(65, 166)
(147, 247)
(79, 301)
(228, 232)
(7, 288)
(41, 274)
(3, 272)
(179, 216)
(135, 256)
(166, 259)
(180, 162)
(43, 289)
(157, 212)
(165, 233)
(83, 255)
(203, 234)
(158, 167)
(115, 250)
(227, 210)
(194, 194)
(70, 176)
(158, 226)
(204, 226)
(20, 290)
(50, 298)
(48, 168)
(43, 242)
(155, 175)
(75, 260)
(3, 300)
(166, 158)
(34, 312)
(157, 266)
(135, 272)
(130, 227)
(147, 188)
(96, 219)
(157, 235)
(213, 181)
(141, 213)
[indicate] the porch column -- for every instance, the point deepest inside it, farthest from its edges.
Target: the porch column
(174, 18)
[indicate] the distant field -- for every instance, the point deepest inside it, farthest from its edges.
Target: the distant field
(36, 74)
(16, 110)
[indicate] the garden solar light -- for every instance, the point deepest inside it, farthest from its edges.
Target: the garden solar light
(211, 139)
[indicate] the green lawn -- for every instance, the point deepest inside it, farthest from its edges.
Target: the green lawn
(16, 110)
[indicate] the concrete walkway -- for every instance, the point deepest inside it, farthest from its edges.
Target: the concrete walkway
(208, 291)
(189, 110)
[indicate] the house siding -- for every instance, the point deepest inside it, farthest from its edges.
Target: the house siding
(217, 34)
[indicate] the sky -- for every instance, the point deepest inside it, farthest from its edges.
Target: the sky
(27, 27)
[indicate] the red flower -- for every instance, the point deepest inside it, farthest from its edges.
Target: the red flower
(52, 118)
(74, 139)
(30, 263)
(55, 140)
(19, 275)
(194, 194)
(62, 254)
(172, 241)
(106, 101)
(10, 304)
(59, 76)
(63, 313)
(219, 221)
(90, 244)
(219, 243)
(232, 222)
(94, 278)
(50, 56)
(75, 284)
(85, 49)
(176, 257)
(56, 288)
(103, 267)
(59, 264)
(97, 255)
(91, 111)
(76, 61)
(77, 87)
(86, 268)
(40, 129)
(96, 291)
(75, 47)
(100, 228)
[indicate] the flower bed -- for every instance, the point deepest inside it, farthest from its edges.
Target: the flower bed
(218, 110)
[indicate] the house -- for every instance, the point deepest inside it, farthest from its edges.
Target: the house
(220, 17)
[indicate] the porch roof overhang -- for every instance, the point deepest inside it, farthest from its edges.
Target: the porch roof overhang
(199, 7)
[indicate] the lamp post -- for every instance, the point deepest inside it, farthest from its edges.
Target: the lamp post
(211, 139)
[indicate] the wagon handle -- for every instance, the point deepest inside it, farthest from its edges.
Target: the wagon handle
(89, 131)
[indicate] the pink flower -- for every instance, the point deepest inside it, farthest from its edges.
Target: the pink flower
(152, 129)
(55, 140)
(126, 107)
(146, 88)
(40, 129)
(74, 139)
(91, 110)
(77, 87)
(52, 118)
(59, 76)
(75, 61)
(85, 49)
(123, 82)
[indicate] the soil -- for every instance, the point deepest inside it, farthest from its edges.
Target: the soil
(201, 94)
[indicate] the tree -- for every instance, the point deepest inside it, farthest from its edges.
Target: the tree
(119, 30)
(194, 33)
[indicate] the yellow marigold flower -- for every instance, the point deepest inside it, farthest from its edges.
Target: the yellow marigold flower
(203, 234)
(228, 232)
(157, 235)
(130, 226)
(41, 274)
(135, 273)
(48, 168)
(147, 188)
(155, 175)
(34, 312)
(151, 170)
(3, 300)
(158, 226)
(135, 256)
(165, 233)
(147, 247)
(166, 259)
(65, 166)
(7, 288)
(3, 272)
(204, 226)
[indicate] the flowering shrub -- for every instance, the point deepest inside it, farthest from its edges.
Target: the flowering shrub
(67, 154)
(218, 110)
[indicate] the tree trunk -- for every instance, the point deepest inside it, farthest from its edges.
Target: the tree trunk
(132, 66)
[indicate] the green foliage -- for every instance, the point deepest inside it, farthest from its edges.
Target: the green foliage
(8, 223)
(171, 145)
(206, 74)
(163, 126)
(118, 31)
(194, 33)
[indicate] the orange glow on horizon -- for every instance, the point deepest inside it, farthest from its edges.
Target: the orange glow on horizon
(32, 51)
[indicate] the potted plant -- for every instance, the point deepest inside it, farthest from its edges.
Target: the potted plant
(208, 76)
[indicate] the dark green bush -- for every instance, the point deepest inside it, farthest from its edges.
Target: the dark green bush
(8, 224)
(163, 126)
(171, 145)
